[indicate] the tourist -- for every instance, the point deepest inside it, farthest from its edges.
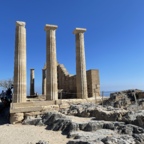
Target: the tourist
(3, 94)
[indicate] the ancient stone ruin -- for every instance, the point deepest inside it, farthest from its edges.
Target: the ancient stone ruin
(57, 83)
(85, 83)
(83, 115)
(32, 90)
(20, 64)
(67, 82)
(55, 76)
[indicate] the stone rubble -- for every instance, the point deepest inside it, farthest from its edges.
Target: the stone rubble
(90, 132)
(125, 99)
(88, 123)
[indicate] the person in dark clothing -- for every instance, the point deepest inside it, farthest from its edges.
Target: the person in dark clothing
(9, 92)
(7, 99)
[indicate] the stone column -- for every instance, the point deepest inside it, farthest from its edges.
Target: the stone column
(81, 80)
(32, 90)
(20, 63)
(51, 62)
(44, 81)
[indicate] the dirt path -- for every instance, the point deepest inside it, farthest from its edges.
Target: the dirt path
(27, 134)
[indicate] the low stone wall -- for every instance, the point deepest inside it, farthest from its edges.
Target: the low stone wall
(18, 115)
(19, 110)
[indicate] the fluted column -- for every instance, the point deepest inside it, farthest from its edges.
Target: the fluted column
(44, 81)
(81, 80)
(51, 62)
(32, 82)
(20, 63)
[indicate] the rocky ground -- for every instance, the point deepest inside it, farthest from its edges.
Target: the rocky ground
(120, 120)
(93, 129)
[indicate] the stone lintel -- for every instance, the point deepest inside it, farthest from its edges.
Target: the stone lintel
(20, 23)
(79, 30)
(50, 27)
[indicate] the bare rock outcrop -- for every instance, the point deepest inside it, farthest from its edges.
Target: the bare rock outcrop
(90, 131)
(124, 99)
(119, 121)
(92, 110)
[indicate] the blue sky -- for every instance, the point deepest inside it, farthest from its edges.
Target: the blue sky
(114, 40)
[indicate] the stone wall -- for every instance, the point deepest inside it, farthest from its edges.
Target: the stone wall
(93, 83)
(67, 83)
(18, 111)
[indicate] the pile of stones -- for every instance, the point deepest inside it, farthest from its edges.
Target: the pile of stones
(101, 128)
(126, 99)
(118, 121)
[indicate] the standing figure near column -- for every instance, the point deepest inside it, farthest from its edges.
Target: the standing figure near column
(81, 80)
(32, 82)
(20, 63)
(51, 63)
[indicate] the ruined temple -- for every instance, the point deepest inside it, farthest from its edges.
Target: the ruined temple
(56, 81)
(67, 82)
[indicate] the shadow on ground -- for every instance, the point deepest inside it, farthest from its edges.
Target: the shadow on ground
(4, 114)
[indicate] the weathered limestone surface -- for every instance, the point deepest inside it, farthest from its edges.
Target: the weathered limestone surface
(81, 80)
(16, 117)
(82, 85)
(33, 106)
(62, 75)
(51, 62)
(67, 82)
(32, 82)
(44, 81)
(20, 63)
(88, 131)
(93, 83)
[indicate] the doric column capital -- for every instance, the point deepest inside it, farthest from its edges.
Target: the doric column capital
(32, 69)
(20, 23)
(79, 30)
(50, 27)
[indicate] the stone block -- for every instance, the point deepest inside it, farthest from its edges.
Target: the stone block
(16, 117)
